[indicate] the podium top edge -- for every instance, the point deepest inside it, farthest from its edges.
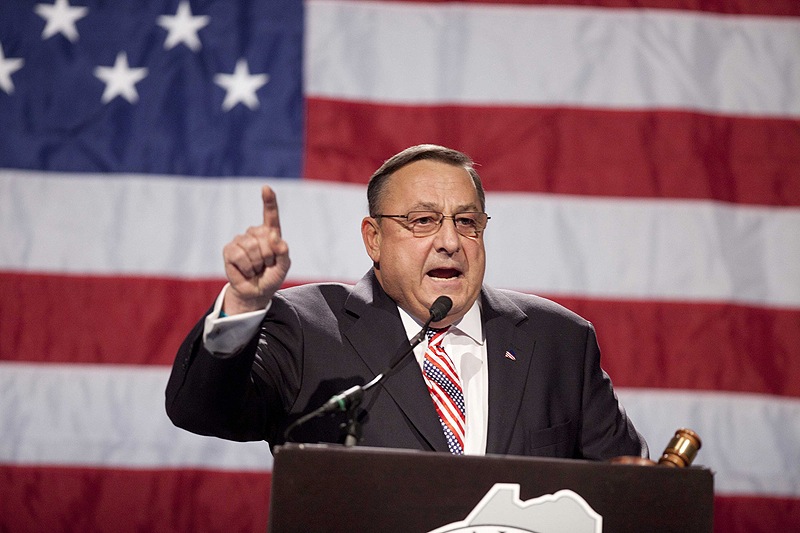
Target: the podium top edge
(342, 450)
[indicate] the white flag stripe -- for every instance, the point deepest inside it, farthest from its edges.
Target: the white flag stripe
(114, 416)
(747, 440)
(172, 226)
(604, 58)
(105, 416)
(649, 249)
(592, 247)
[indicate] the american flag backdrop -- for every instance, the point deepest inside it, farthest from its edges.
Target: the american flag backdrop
(642, 164)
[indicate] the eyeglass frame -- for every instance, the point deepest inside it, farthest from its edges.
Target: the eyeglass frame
(440, 223)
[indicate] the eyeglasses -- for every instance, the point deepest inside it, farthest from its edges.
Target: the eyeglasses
(425, 223)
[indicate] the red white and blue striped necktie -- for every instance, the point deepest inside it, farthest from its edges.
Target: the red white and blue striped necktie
(444, 385)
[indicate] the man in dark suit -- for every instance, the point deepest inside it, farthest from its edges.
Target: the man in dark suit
(528, 369)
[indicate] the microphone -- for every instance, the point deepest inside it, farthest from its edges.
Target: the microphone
(439, 309)
(350, 398)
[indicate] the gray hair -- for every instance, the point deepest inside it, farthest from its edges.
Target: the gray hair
(377, 183)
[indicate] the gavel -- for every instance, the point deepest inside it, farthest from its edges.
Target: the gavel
(681, 450)
(679, 453)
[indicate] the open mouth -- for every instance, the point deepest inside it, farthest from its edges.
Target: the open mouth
(444, 273)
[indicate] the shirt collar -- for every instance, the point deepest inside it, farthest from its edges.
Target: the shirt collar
(469, 325)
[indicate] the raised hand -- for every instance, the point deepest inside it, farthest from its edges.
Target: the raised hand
(257, 262)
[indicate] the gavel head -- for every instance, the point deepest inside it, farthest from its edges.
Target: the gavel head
(681, 450)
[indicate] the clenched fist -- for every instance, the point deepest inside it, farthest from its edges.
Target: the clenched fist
(257, 262)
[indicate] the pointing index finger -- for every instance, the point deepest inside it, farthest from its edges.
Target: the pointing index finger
(271, 218)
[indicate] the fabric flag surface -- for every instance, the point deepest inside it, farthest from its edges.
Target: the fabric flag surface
(642, 166)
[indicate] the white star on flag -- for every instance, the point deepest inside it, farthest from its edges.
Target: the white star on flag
(7, 68)
(183, 27)
(120, 79)
(241, 86)
(61, 18)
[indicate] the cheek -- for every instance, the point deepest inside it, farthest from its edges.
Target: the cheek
(409, 259)
(404, 248)
(475, 253)
(477, 265)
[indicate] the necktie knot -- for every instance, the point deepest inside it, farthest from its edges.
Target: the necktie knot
(438, 333)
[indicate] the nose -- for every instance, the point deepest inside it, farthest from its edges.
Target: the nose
(447, 239)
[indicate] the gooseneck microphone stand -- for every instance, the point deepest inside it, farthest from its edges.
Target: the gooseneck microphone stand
(350, 399)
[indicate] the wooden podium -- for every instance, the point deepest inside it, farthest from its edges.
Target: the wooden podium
(321, 488)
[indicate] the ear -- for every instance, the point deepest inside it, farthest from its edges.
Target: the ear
(371, 233)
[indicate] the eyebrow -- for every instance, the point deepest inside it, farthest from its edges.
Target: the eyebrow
(428, 206)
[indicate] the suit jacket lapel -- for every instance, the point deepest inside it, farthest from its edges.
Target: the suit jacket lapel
(509, 355)
(377, 335)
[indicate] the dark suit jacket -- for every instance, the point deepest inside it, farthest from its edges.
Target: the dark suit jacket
(553, 400)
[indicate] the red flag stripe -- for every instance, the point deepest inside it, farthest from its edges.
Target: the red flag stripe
(231, 501)
(742, 514)
(670, 345)
(647, 154)
(51, 498)
(731, 7)
(81, 319)
(695, 346)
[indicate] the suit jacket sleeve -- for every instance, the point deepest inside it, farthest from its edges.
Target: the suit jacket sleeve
(606, 430)
(315, 341)
(244, 396)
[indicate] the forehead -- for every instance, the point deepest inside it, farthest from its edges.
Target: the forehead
(430, 184)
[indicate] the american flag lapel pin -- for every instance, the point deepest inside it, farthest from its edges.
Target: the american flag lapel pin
(510, 355)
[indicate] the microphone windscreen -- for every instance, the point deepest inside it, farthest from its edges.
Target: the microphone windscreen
(440, 308)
